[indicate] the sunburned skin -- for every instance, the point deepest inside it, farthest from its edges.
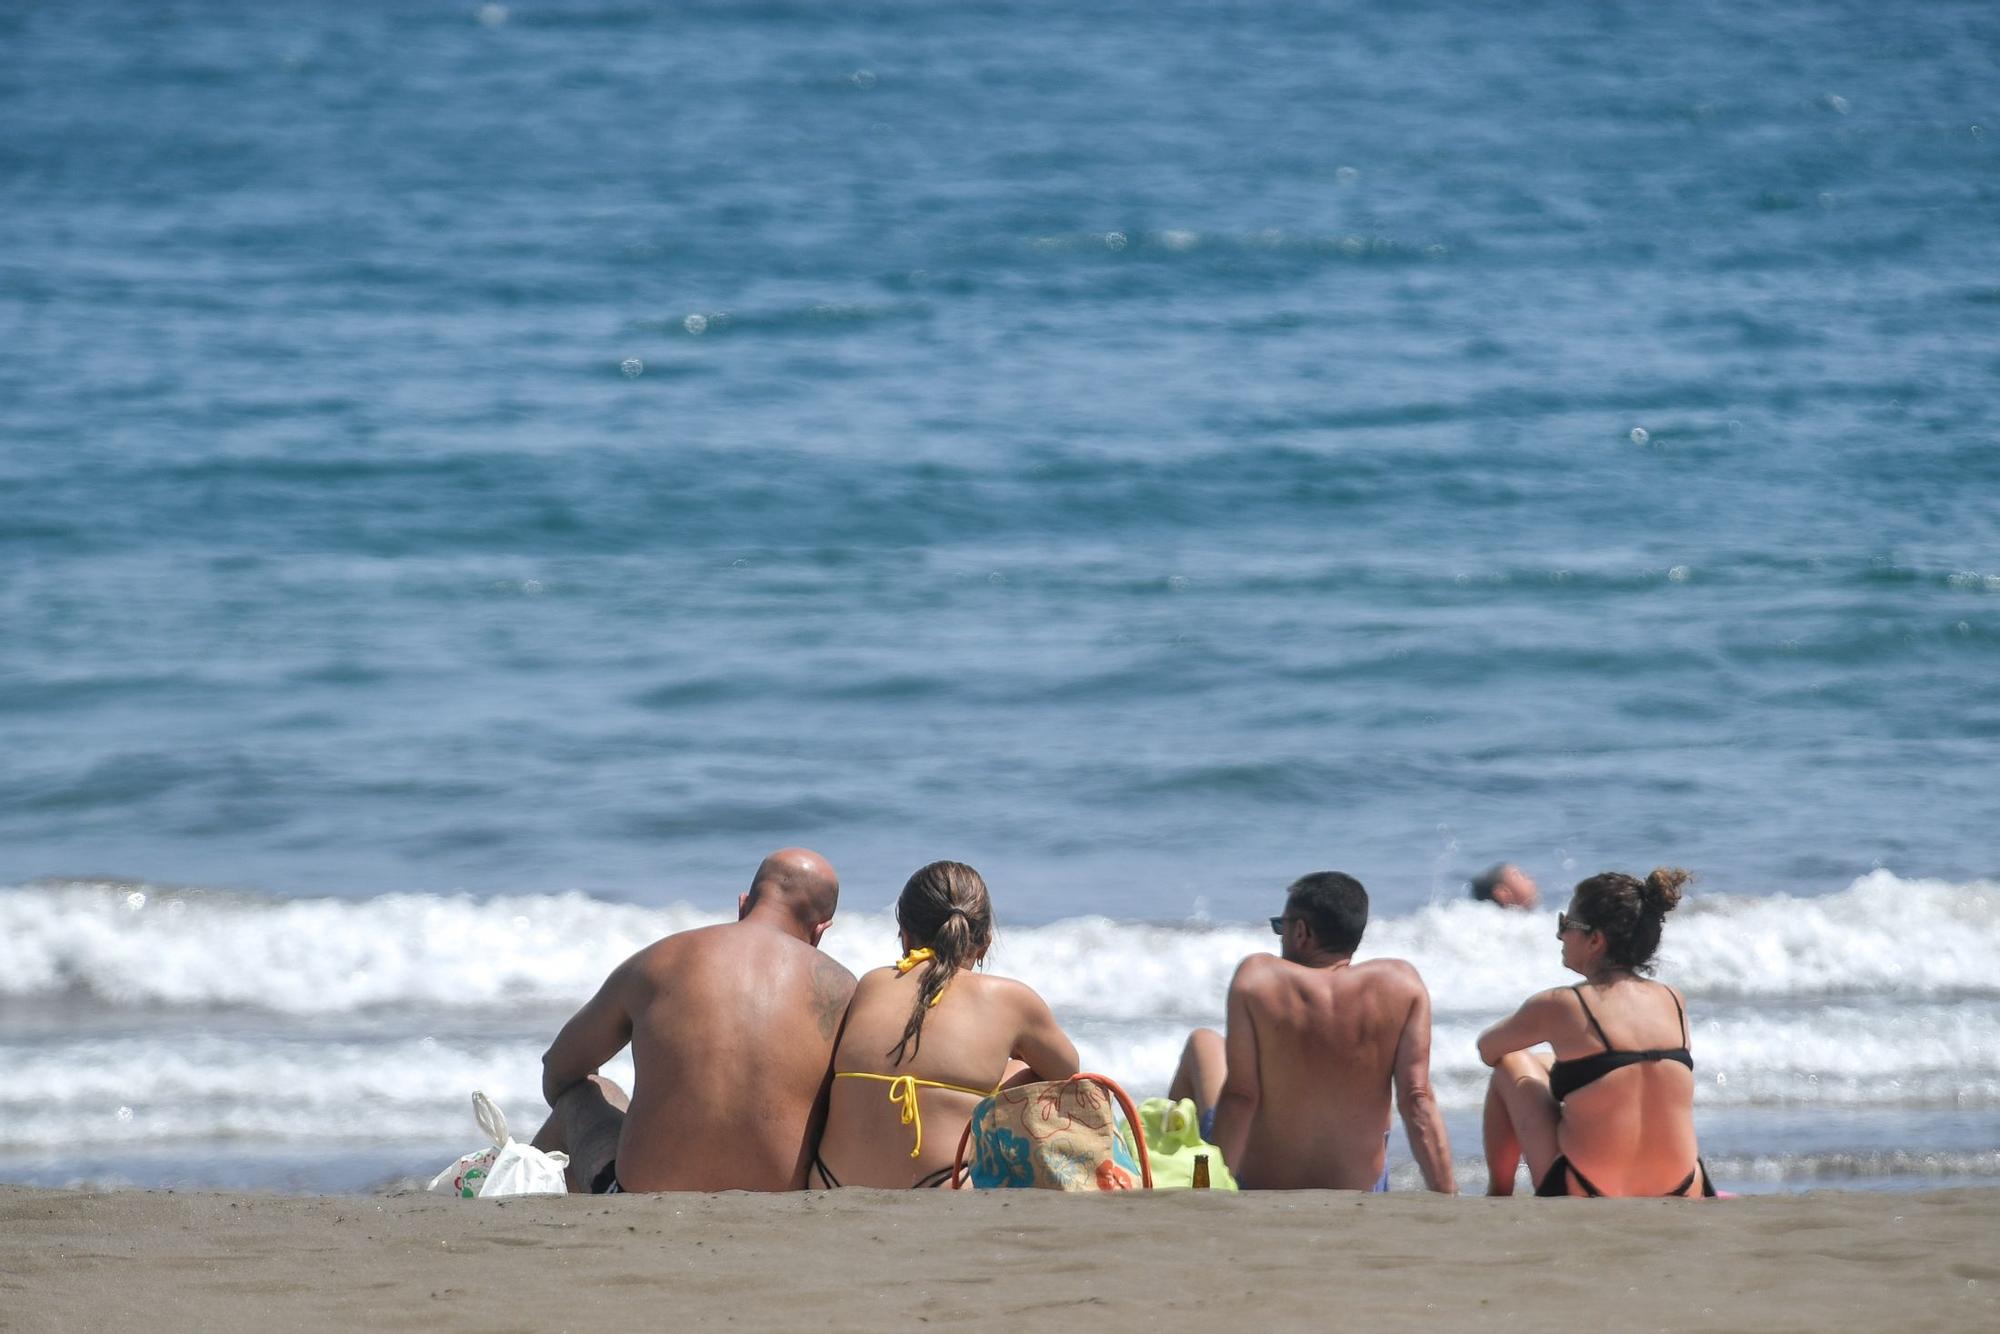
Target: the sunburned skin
(1630, 1131)
(732, 1030)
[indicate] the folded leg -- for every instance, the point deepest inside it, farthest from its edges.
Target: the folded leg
(1521, 1119)
(1202, 1070)
(585, 1124)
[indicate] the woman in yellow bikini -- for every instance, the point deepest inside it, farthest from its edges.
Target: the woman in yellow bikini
(926, 1038)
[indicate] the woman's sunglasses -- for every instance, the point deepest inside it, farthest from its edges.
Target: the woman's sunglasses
(1566, 923)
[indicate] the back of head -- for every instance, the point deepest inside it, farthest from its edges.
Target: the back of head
(943, 908)
(1334, 905)
(1630, 912)
(798, 881)
(1488, 880)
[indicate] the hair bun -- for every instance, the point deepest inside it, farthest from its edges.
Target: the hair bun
(1663, 890)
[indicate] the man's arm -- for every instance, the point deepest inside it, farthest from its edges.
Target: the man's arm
(594, 1035)
(1241, 1088)
(1423, 1120)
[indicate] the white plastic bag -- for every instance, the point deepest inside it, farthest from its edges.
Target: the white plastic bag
(508, 1168)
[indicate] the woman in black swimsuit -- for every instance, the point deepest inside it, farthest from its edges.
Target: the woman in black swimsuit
(1612, 1113)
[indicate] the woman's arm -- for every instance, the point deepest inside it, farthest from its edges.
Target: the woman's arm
(1534, 1022)
(1040, 1041)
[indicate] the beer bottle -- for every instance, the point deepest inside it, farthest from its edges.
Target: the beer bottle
(1201, 1171)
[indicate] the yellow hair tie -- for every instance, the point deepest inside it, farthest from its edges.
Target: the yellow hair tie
(904, 965)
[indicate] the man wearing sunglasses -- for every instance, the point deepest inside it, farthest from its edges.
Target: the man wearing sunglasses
(1297, 1096)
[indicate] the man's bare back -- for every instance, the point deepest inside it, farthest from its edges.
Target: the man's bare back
(732, 1031)
(1316, 1044)
(1323, 1042)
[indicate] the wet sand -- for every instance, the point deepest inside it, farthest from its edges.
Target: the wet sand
(880, 1261)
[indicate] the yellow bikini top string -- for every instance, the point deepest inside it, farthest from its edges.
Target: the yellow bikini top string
(903, 1088)
(903, 1094)
(911, 960)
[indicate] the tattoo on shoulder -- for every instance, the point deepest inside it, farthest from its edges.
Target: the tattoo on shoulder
(832, 987)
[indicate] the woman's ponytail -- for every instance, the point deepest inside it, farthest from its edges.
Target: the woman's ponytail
(945, 908)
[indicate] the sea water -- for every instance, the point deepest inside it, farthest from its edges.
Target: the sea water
(172, 1035)
(475, 477)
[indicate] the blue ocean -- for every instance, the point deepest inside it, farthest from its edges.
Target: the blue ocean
(475, 477)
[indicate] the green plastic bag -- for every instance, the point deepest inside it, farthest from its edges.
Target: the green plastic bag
(1173, 1138)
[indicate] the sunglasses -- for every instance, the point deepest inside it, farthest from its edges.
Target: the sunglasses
(1278, 926)
(1566, 923)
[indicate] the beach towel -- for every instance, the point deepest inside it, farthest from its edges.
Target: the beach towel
(1173, 1138)
(1058, 1135)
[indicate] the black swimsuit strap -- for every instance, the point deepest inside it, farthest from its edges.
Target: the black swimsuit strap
(1679, 1014)
(832, 1182)
(1561, 1172)
(1577, 1176)
(1593, 1019)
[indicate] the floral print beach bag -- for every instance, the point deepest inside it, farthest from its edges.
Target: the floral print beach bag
(1059, 1135)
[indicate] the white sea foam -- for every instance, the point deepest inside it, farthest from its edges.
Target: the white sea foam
(168, 1089)
(280, 1084)
(136, 1019)
(142, 946)
(125, 945)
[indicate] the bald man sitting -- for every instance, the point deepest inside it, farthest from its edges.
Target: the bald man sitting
(732, 1031)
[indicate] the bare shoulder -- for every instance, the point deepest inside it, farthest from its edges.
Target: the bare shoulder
(828, 971)
(1256, 972)
(681, 945)
(832, 989)
(874, 980)
(1394, 980)
(1391, 972)
(1561, 999)
(655, 961)
(1006, 991)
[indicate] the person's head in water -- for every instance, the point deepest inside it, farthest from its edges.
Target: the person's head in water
(796, 890)
(1507, 885)
(1614, 921)
(943, 908)
(1325, 913)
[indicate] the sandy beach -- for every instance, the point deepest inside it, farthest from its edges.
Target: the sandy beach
(878, 1260)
